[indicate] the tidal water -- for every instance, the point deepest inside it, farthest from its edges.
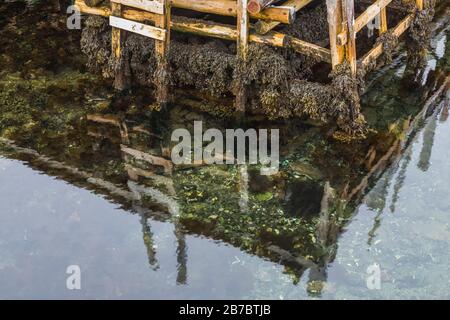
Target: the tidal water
(60, 209)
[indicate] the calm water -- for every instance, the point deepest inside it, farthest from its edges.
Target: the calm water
(51, 220)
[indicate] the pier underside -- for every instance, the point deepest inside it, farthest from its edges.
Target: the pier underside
(296, 58)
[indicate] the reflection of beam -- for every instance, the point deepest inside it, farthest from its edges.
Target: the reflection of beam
(138, 172)
(156, 195)
(153, 160)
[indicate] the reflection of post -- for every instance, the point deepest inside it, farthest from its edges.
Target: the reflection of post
(427, 145)
(147, 236)
(181, 254)
(243, 188)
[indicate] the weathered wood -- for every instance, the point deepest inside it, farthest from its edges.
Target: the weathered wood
(256, 6)
(334, 15)
(310, 49)
(263, 27)
(348, 17)
(139, 28)
(162, 53)
(219, 31)
(153, 6)
(230, 8)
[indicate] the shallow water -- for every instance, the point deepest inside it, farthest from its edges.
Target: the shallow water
(68, 197)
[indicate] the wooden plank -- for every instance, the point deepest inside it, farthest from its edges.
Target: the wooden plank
(310, 49)
(139, 28)
(147, 5)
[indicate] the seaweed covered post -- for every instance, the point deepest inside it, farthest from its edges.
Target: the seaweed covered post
(116, 49)
(243, 27)
(334, 15)
(162, 53)
(348, 18)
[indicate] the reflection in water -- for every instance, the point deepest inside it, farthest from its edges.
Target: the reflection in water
(228, 232)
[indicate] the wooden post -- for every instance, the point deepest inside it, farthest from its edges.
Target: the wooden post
(116, 47)
(162, 54)
(420, 4)
(243, 28)
(334, 12)
(348, 17)
(383, 21)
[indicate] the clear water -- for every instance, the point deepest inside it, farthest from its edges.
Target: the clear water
(50, 221)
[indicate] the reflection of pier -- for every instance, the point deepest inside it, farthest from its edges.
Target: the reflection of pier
(132, 157)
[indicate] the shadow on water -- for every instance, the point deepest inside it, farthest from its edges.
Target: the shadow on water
(212, 231)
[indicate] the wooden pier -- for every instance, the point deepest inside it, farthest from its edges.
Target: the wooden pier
(256, 21)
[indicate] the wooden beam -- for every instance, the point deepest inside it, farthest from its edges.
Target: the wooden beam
(310, 49)
(262, 27)
(378, 49)
(139, 28)
(230, 8)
